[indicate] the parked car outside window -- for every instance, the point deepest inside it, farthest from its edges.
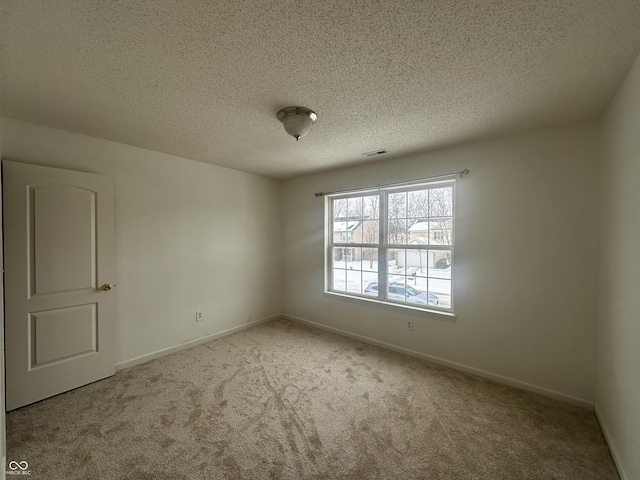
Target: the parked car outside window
(404, 293)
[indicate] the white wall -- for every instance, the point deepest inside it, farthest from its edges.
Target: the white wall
(618, 378)
(526, 259)
(188, 236)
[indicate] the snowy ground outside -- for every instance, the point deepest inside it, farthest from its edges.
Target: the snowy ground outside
(353, 277)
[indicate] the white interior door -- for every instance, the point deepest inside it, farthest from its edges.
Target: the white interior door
(59, 305)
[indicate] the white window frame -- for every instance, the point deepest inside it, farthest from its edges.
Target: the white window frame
(383, 246)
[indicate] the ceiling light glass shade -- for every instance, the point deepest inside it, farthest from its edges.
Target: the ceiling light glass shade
(297, 121)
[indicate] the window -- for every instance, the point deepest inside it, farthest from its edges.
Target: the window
(346, 237)
(394, 245)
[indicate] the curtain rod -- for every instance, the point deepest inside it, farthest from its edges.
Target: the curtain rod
(382, 185)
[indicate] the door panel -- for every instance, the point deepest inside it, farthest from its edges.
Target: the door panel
(62, 232)
(62, 334)
(58, 227)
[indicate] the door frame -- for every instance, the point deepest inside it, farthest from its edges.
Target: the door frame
(3, 433)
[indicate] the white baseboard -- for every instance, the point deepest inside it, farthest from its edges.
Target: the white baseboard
(191, 343)
(581, 402)
(611, 444)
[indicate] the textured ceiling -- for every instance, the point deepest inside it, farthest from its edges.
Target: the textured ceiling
(204, 79)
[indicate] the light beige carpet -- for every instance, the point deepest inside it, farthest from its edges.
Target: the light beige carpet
(284, 401)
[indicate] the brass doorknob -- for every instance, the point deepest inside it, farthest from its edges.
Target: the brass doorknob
(107, 286)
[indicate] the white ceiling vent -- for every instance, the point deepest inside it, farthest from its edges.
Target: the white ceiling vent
(375, 153)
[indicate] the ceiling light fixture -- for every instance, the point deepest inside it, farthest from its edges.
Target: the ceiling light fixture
(297, 121)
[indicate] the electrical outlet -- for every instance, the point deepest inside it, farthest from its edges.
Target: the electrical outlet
(409, 325)
(199, 315)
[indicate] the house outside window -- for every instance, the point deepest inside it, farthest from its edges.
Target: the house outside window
(393, 246)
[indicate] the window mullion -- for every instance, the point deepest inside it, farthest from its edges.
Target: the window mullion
(382, 250)
(329, 246)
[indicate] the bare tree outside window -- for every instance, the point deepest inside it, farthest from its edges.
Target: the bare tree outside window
(371, 228)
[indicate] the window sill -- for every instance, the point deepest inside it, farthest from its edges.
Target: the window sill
(408, 309)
